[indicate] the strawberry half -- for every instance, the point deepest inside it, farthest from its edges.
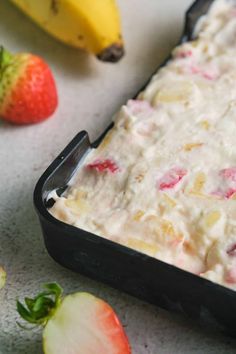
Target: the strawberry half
(28, 92)
(78, 324)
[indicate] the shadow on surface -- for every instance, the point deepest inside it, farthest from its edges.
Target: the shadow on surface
(10, 344)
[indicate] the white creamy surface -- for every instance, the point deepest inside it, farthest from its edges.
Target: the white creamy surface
(163, 181)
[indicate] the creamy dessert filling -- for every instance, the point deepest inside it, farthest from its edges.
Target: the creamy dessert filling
(163, 181)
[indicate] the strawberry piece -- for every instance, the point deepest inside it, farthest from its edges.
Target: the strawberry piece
(171, 178)
(225, 194)
(198, 71)
(232, 250)
(84, 324)
(78, 324)
(27, 88)
(184, 54)
(195, 70)
(103, 165)
(229, 174)
(137, 107)
(229, 178)
(230, 276)
(229, 193)
(208, 76)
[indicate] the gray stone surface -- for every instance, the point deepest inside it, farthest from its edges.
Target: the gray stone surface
(90, 92)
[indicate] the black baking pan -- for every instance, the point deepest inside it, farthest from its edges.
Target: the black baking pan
(123, 268)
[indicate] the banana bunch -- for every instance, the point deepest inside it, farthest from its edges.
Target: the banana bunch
(93, 25)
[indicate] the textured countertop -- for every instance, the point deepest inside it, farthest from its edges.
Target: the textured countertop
(90, 92)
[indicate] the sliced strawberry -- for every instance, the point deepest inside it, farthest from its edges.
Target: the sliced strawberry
(171, 178)
(84, 324)
(103, 165)
(78, 324)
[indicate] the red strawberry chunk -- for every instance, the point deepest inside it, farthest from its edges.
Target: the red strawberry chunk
(227, 187)
(232, 250)
(229, 174)
(171, 178)
(230, 192)
(227, 194)
(184, 54)
(103, 165)
(195, 70)
(206, 74)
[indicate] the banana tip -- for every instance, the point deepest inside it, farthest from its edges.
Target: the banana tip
(112, 53)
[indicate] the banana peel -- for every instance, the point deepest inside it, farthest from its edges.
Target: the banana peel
(92, 25)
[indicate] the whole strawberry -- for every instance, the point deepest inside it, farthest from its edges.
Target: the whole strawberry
(28, 92)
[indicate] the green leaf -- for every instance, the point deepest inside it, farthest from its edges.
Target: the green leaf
(54, 288)
(38, 310)
(41, 303)
(24, 313)
(42, 308)
(29, 303)
(57, 290)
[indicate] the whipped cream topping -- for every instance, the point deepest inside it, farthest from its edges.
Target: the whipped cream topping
(163, 181)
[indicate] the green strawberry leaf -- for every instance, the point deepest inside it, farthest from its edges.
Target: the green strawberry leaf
(24, 313)
(42, 304)
(38, 310)
(29, 303)
(55, 289)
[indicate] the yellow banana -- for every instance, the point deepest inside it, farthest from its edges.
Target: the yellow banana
(93, 25)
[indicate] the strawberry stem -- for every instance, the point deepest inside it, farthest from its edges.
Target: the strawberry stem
(5, 58)
(40, 309)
